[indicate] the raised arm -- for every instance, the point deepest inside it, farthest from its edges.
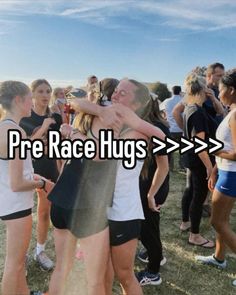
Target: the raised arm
(43, 129)
(217, 105)
(130, 118)
(108, 115)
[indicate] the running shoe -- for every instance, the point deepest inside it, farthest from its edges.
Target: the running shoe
(210, 260)
(44, 261)
(143, 256)
(147, 278)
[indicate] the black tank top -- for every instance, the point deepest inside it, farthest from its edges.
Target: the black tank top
(85, 184)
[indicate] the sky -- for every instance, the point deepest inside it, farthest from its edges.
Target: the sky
(65, 41)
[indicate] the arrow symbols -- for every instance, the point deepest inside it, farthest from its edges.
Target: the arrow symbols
(189, 144)
(203, 145)
(197, 144)
(175, 145)
(218, 145)
(158, 141)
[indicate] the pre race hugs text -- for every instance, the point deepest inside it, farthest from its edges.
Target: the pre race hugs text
(105, 148)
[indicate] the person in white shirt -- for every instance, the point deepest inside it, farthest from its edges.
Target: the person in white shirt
(223, 178)
(167, 106)
(17, 185)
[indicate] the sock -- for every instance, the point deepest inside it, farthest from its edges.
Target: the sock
(40, 248)
(219, 261)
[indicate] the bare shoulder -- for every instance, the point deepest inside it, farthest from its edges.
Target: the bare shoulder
(133, 134)
(4, 130)
(232, 120)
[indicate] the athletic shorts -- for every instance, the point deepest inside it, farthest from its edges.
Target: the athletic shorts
(80, 222)
(17, 215)
(226, 183)
(124, 231)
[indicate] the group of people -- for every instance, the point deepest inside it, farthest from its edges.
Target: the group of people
(101, 203)
(208, 110)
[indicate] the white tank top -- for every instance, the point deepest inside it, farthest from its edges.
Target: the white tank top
(127, 203)
(223, 134)
(11, 202)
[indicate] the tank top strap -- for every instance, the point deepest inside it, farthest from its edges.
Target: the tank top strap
(6, 121)
(9, 120)
(90, 134)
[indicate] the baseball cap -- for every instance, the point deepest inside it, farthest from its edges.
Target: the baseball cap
(77, 92)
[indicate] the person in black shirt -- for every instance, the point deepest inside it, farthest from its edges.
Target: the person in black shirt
(214, 73)
(93, 192)
(150, 228)
(36, 127)
(197, 123)
(212, 104)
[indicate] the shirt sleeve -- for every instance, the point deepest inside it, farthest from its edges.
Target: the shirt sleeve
(27, 126)
(198, 123)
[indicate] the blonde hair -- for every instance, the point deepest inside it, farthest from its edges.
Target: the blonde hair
(9, 90)
(2, 113)
(54, 94)
(142, 95)
(83, 121)
(194, 84)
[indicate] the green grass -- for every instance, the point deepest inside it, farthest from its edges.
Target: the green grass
(181, 275)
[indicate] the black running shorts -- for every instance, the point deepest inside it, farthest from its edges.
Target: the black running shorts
(123, 231)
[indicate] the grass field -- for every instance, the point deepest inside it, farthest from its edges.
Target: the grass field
(181, 275)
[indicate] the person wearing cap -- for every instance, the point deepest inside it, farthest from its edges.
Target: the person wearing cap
(68, 110)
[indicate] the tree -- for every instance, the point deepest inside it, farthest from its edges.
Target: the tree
(161, 90)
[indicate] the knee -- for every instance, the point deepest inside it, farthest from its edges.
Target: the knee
(14, 267)
(96, 283)
(218, 225)
(124, 276)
